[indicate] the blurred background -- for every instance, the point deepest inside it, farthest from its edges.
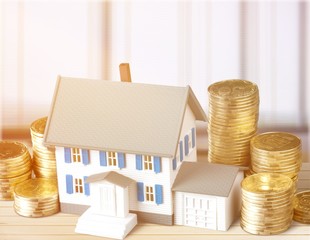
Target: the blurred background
(171, 42)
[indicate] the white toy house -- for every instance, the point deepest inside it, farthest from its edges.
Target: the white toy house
(119, 148)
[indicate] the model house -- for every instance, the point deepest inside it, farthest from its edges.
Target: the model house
(207, 195)
(119, 148)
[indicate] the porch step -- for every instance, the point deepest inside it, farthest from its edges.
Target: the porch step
(105, 226)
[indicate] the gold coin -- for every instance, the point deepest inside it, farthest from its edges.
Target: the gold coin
(276, 141)
(36, 198)
(234, 88)
(35, 214)
(10, 150)
(302, 202)
(264, 231)
(259, 222)
(17, 179)
(37, 188)
(264, 183)
(38, 126)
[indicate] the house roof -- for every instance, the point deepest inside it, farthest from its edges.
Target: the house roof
(112, 177)
(205, 178)
(119, 116)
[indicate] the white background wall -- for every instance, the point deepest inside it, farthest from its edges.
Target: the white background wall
(166, 42)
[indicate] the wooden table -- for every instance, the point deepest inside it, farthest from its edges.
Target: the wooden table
(61, 227)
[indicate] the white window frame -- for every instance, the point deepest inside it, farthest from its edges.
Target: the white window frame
(76, 155)
(78, 185)
(149, 194)
(148, 162)
(112, 159)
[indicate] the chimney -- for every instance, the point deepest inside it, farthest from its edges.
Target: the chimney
(125, 72)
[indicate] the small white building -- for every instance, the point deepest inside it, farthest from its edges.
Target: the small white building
(207, 195)
(119, 149)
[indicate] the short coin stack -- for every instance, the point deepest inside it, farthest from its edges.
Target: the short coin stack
(233, 117)
(36, 198)
(302, 207)
(267, 203)
(15, 167)
(277, 152)
(44, 161)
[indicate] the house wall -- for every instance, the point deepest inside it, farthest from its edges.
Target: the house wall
(165, 178)
(179, 208)
(233, 202)
(188, 124)
(221, 213)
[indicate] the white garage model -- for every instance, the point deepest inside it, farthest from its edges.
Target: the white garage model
(207, 195)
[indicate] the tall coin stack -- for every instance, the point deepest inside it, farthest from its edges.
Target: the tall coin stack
(44, 160)
(267, 203)
(276, 152)
(15, 167)
(36, 198)
(233, 117)
(302, 207)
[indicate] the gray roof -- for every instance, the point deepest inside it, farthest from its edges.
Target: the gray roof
(112, 177)
(119, 116)
(205, 178)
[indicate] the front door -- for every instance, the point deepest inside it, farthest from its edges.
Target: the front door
(200, 212)
(108, 200)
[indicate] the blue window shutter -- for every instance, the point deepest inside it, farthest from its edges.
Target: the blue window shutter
(174, 164)
(67, 155)
(139, 162)
(121, 160)
(157, 164)
(69, 184)
(85, 156)
(103, 158)
(193, 137)
(158, 194)
(181, 150)
(186, 145)
(140, 186)
(86, 187)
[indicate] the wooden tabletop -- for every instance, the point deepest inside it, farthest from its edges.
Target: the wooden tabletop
(61, 227)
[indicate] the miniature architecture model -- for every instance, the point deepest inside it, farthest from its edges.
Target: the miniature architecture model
(120, 148)
(207, 195)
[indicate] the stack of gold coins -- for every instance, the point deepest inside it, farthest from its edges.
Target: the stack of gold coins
(276, 152)
(233, 117)
(44, 160)
(267, 203)
(36, 198)
(15, 167)
(302, 207)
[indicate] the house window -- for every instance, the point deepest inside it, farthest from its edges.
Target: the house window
(149, 193)
(76, 155)
(112, 158)
(78, 185)
(147, 162)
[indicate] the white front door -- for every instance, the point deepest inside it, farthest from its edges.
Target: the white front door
(108, 200)
(200, 211)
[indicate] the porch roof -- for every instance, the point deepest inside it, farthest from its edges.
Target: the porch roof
(112, 177)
